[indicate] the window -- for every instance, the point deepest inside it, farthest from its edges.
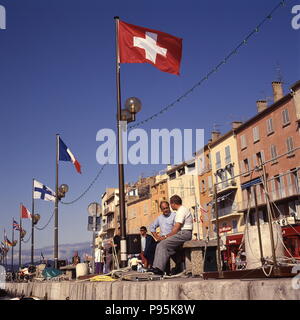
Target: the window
(218, 160)
(234, 226)
(172, 175)
(227, 155)
(208, 164)
(246, 166)
(255, 134)
(209, 182)
(285, 117)
(145, 209)
(203, 189)
(243, 142)
(290, 145)
(273, 153)
(270, 128)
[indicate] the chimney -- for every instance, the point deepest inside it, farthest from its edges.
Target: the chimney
(235, 124)
(261, 105)
(215, 135)
(277, 90)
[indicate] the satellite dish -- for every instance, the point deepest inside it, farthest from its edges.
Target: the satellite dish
(94, 209)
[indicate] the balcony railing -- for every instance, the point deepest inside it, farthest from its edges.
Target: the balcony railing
(228, 184)
(277, 194)
(108, 210)
(226, 211)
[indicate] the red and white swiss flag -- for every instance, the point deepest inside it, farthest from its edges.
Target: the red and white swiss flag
(25, 213)
(144, 45)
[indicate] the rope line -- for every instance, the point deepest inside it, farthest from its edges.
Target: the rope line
(189, 91)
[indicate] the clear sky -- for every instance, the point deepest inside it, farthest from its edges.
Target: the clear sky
(57, 75)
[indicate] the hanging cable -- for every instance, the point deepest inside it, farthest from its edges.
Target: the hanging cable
(26, 241)
(46, 225)
(214, 69)
(189, 91)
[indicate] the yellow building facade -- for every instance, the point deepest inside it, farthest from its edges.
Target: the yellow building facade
(225, 166)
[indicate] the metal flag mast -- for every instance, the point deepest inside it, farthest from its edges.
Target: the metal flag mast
(12, 248)
(120, 155)
(32, 225)
(56, 206)
(20, 238)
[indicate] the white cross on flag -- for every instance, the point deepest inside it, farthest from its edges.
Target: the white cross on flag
(140, 45)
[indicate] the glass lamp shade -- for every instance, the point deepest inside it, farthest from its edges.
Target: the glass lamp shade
(36, 218)
(23, 234)
(64, 188)
(133, 105)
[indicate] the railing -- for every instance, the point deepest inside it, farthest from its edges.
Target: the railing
(226, 210)
(108, 210)
(226, 185)
(277, 194)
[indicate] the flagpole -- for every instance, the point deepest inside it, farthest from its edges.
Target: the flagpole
(56, 207)
(20, 240)
(120, 155)
(32, 225)
(12, 248)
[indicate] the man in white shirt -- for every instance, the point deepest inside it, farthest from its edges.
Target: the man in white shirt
(181, 232)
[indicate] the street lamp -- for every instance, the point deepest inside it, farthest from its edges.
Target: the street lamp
(94, 209)
(132, 106)
(60, 193)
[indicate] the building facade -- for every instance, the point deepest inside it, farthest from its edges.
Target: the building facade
(225, 171)
(272, 137)
(205, 190)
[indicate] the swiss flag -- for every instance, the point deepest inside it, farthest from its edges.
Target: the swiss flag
(25, 213)
(140, 45)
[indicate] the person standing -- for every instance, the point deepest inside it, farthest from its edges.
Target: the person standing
(99, 259)
(107, 256)
(181, 232)
(148, 245)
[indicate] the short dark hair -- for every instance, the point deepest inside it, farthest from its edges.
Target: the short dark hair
(164, 201)
(176, 199)
(143, 228)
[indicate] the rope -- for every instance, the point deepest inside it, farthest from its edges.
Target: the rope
(189, 91)
(214, 69)
(26, 241)
(45, 226)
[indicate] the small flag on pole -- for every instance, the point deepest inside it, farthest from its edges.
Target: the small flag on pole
(139, 45)
(16, 226)
(40, 191)
(65, 154)
(25, 213)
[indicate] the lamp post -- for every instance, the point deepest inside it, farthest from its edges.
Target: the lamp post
(94, 209)
(132, 106)
(60, 193)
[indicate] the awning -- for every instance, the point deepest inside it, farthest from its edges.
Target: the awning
(219, 199)
(251, 183)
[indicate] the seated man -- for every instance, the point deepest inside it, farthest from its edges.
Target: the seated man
(181, 232)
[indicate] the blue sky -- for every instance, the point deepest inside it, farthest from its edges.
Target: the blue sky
(57, 75)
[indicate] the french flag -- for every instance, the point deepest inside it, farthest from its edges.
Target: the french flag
(65, 154)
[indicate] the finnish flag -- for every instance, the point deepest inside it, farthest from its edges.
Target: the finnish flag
(40, 191)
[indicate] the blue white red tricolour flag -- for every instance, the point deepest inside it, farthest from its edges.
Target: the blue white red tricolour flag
(65, 154)
(40, 191)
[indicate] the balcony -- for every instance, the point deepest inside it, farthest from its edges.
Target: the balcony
(275, 195)
(108, 210)
(227, 211)
(226, 186)
(108, 226)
